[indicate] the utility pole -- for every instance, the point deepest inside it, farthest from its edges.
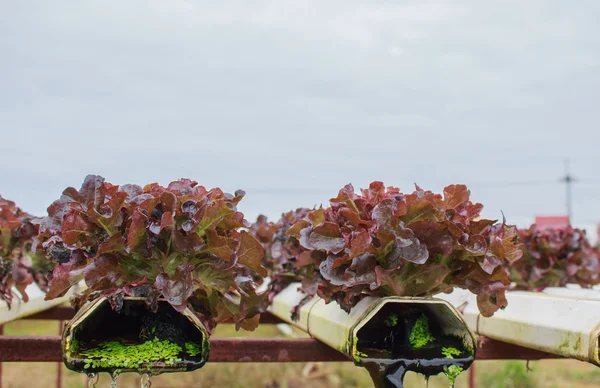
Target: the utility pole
(568, 179)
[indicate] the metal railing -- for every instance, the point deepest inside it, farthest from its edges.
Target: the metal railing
(48, 348)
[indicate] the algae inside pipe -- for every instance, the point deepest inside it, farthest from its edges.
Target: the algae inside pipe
(98, 339)
(388, 336)
(393, 343)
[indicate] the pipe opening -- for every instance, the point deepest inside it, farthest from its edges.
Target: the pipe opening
(426, 338)
(134, 340)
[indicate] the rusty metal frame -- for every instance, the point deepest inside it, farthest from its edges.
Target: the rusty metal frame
(47, 348)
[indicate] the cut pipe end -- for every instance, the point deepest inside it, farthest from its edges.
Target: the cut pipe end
(417, 328)
(99, 339)
(364, 336)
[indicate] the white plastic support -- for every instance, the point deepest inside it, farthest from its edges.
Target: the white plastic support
(330, 324)
(19, 309)
(573, 291)
(569, 327)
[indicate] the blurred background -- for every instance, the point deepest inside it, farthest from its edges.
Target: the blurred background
(291, 100)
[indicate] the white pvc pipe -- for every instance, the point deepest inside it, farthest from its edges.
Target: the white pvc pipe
(573, 292)
(36, 303)
(560, 325)
(330, 324)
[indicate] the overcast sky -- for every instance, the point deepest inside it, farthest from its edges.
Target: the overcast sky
(290, 100)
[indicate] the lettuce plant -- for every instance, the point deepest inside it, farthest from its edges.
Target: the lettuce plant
(554, 257)
(182, 242)
(283, 253)
(384, 242)
(19, 267)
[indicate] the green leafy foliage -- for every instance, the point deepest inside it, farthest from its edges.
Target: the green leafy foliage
(554, 257)
(383, 242)
(19, 266)
(114, 354)
(192, 349)
(182, 242)
(452, 372)
(391, 320)
(420, 334)
(450, 352)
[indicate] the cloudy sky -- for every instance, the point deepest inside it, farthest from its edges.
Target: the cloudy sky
(290, 100)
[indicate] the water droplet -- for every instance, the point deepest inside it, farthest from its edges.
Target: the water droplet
(92, 380)
(113, 383)
(146, 383)
(426, 381)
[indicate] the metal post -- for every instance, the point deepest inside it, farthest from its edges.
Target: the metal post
(59, 364)
(1, 333)
(568, 179)
(472, 376)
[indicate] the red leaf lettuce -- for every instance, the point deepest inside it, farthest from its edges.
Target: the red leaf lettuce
(182, 242)
(554, 257)
(384, 242)
(19, 266)
(283, 254)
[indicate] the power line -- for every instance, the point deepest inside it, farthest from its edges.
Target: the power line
(568, 179)
(511, 184)
(471, 185)
(589, 181)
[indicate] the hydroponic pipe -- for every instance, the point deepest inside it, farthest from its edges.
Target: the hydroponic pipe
(19, 309)
(573, 291)
(565, 326)
(424, 335)
(134, 339)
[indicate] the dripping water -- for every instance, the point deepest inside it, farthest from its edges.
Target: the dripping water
(427, 381)
(145, 379)
(387, 370)
(113, 383)
(92, 380)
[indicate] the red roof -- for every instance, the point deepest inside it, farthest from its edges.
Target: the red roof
(551, 221)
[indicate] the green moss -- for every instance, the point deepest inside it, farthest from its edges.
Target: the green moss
(420, 335)
(452, 372)
(116, 355)
(192, 349)
(357, 354)
(391, 320)
(450, 352)
(564, 346)
(361, 354)
(572, 343)
(74, 345)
